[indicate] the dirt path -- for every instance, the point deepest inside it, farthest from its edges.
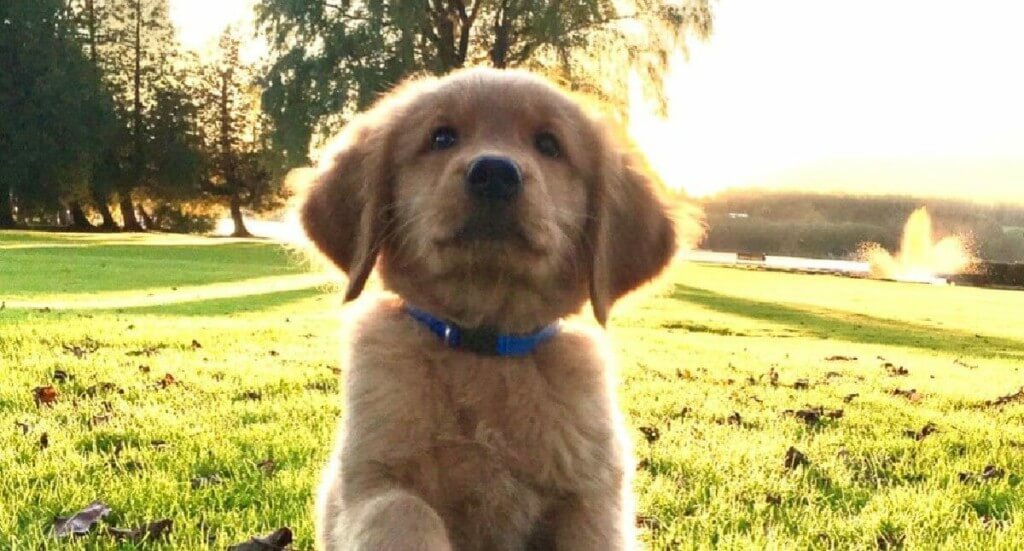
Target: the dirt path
(134, 299)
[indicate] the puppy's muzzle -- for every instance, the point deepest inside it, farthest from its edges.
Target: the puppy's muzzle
(493, 179)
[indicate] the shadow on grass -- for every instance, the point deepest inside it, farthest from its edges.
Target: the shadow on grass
(858, 328)
(227, 306)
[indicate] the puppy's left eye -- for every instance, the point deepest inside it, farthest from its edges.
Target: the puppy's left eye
(547, 144)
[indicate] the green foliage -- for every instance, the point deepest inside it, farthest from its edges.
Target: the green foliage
(710, 363)
(54, 111)
(333, 58)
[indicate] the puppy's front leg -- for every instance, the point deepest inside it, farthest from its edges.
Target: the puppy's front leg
(393, 520)
(601, 521)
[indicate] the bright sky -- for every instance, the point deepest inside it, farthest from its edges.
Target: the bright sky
(915, 96)
(903, 96)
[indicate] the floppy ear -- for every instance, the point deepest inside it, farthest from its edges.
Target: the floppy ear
(345, 211)
(631, 234)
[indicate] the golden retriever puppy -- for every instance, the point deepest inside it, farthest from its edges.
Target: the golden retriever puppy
(493, 205)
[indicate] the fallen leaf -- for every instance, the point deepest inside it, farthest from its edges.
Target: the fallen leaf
(794, 458)
(895, 371)
(45, 395)
(81, 522)
(209, 480)
(809, 416)
(280, 539)
(88, 346)
(153, 531)
(166, 381)
(652, 434)
(929, 428)
(146, 351)
(991, 471)
(912, 395)
(841, 359)
(963, 364)
(267, 466)
(647, 522)
(1009, 398)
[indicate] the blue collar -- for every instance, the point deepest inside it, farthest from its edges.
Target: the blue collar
(483, 340)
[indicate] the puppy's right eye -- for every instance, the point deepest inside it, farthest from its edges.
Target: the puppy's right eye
(443, 138)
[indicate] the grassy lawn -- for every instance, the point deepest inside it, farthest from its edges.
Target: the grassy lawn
(723, 370)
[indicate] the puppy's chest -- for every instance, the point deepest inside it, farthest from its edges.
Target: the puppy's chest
(506, 425)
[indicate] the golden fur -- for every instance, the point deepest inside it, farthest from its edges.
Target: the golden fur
(445, 449)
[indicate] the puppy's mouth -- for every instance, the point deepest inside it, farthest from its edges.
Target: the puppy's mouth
(491, 229)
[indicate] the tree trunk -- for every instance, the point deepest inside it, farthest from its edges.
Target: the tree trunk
(236, 217)
(131, 223)
(146, 218)
(6, 209)
(108, 217)
(79, 221)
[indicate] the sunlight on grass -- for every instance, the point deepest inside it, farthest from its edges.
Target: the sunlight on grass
(723, 370)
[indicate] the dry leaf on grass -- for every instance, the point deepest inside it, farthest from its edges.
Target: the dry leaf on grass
(913, 395)
(209, 480)
(166, 381)
(1009, 398)
(652, 434)
(794, 458)
(280, 539)
(44, 395)
(990, 472)
(81, 522)
(267, 466)
(929, 428)
(648, 522)
(894, 370)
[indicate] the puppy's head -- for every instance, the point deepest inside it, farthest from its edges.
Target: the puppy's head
(491, 198)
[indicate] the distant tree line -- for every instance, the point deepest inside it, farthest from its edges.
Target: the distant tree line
(101, 107)
(106, 122)
(834, 226)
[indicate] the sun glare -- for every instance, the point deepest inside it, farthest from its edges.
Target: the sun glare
(199, 24)
(873, 96)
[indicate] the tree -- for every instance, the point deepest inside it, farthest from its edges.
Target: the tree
(233, 130)
(50, 102)
(131, 44)
(335, 56)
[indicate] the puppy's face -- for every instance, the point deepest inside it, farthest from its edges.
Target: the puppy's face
(491, 198)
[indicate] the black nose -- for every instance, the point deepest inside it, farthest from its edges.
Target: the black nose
(494, 178)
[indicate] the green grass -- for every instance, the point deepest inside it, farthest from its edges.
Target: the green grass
(694, 351)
